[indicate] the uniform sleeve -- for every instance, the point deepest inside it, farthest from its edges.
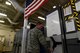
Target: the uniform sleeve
(42, 40)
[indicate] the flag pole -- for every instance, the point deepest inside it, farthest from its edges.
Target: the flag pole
(33, 6)
(23, 43)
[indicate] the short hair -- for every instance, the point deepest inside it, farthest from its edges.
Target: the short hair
(39, 23)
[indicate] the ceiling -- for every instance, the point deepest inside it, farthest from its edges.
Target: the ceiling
(45, 9)
(17, 17)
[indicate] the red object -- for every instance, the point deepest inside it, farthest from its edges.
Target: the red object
(31, 8)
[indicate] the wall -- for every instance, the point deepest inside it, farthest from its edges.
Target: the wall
(17, 42)
(8, 40)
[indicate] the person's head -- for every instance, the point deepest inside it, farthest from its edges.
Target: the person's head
(39, 25)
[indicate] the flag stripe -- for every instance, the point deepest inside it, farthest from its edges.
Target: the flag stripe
(34, 7)
(30, 5)
(36, 3)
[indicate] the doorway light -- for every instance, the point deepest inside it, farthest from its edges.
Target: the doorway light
(41, 18)
(28, 26)
(8, 3)
(2, 14)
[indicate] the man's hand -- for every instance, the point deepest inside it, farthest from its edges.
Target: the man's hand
(50, 50)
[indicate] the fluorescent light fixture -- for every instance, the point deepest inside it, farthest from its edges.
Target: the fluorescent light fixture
(2, 21)
(2, 14)
(8, 3)
(54, 6)
(41, 18)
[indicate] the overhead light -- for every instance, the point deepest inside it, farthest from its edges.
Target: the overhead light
(2, 21)
(41, 18)
(2, 14)
(54, 6)
(8, 3)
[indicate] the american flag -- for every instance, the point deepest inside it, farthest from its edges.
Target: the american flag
(32, 6)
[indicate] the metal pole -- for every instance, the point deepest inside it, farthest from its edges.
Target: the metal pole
(65, 48)
(23, 44)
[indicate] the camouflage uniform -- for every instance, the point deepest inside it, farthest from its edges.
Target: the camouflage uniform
(35, 37)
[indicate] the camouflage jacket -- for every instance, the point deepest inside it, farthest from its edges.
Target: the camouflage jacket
(35, 38)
